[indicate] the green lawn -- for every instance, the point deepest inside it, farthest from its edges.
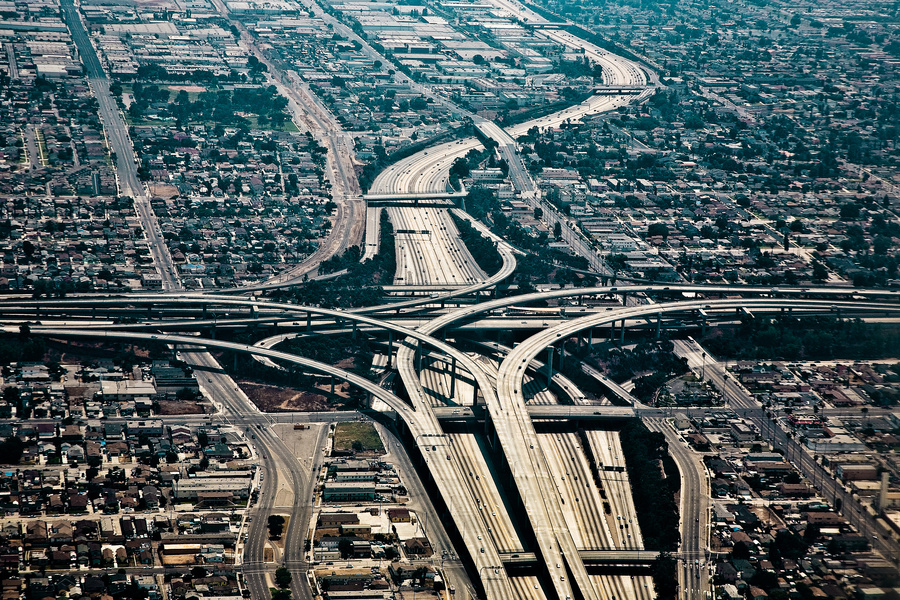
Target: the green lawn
(345, 434)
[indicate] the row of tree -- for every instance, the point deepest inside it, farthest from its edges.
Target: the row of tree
(483, 250)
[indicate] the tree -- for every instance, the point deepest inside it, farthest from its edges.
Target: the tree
(280, 594)
(460, 168)
(538, 212)
(557, 231)
(11, 450)
(819, 272)
(657, 230)
(740, 551)
(283, 578)
(345, 546)
(276, 526)
(882, 244)
(694, 122)
(849, 212)
(811, 533)
(663, 571)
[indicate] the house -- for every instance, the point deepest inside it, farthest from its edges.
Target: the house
(337, 519)
(417, 546)
(399, 515)
(757, 593)
(349, 491)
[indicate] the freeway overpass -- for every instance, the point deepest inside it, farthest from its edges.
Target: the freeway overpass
(556, 412)
(433, 199)
(618, 90)
(612, 558)
(259, 307)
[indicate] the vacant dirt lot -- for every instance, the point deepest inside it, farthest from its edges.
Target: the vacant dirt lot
(271, 398)
(180, 407)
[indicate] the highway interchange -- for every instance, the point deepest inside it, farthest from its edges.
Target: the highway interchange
(476, 495)
(514, 489)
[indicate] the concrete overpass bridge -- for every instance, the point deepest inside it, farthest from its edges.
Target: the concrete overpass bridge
(609, 558)
(430, 199)
(549, 412)
(618, 90)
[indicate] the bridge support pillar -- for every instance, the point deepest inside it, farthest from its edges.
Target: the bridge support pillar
(353, 335)
(562, 355)
(390, 349)
(309, 321)
(658, 325)
(452, 377)
(622, 333)
(332, 385)
(235, 362)
(419, 356)
(549, 368)
(204, 311)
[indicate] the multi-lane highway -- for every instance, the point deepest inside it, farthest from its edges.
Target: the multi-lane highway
(429, 170)
(429, 251)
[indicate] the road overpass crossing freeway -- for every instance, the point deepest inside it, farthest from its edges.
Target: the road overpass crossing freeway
(47, 306)
(515, 430)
